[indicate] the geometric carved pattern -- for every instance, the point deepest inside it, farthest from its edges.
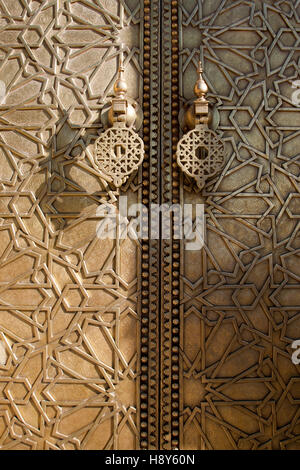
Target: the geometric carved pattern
(119, 151)
(69, 325)
(200, 154)
(241, 304)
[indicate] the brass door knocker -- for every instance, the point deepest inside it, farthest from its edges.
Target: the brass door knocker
(200, 152)
(119, 150)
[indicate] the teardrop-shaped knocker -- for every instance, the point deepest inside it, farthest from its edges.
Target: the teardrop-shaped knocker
(200, 152)
(119, 150)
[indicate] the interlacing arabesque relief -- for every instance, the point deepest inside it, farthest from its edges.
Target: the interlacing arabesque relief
(241, 296)
(69, 326)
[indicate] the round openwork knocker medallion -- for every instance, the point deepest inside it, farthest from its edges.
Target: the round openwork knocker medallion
(118, 152)
(201, 154)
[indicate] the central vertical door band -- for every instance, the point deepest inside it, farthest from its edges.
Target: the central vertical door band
(170, 261)
(159, 306)
(151, 252)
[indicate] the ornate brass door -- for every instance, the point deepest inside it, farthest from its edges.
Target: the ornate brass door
(124, 343)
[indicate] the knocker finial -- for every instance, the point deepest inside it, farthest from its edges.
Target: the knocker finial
(122, 113)
(201, 103)
(120, 86)
(201, 87)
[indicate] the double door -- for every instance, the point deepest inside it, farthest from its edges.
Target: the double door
(141, 342)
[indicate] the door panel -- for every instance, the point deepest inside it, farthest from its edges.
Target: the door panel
(240, 305)
(69, 312)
